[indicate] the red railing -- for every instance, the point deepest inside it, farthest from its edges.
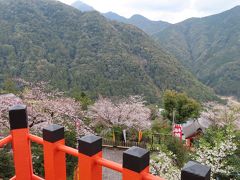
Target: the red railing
(90, 161)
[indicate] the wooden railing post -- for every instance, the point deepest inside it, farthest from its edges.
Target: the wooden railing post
(54, 160)
(135, 163)
(195, 171)
(90, 149)
(20, 142)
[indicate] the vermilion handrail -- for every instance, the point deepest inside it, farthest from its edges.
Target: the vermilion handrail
(109, 164)
(100, 161)
(67, 150)
(103, 162)
(35, 139)
(89, 153)
(5, 140)
(135, 164)
(35, 177)
(13, 178)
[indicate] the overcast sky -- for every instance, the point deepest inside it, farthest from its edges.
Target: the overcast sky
(168, 10)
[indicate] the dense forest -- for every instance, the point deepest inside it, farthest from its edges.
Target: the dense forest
(209, 47)
(43, 40)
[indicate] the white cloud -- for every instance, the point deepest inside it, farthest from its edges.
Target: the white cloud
(214, 6)
(159, 5)
(167, 10)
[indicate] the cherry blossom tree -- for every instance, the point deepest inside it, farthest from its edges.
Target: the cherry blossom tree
(131, 112)
(44, 108)
(215, 148)
(6, 101)
(220, 115)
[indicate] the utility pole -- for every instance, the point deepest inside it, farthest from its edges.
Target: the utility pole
(173, 121)
(173, 116)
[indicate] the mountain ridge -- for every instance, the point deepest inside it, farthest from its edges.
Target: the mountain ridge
(209, 47)
(83, 51)
(145, 24)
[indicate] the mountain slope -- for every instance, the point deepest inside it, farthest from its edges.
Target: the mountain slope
(209, 47)
(49, 41)
(82, 6)
(150, 27)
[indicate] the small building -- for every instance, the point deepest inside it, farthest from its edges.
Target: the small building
(193, 127)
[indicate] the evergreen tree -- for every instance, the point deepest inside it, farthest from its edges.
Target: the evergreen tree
(180, 106)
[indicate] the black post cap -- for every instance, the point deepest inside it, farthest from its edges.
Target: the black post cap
(195, 171)
(136, 159)
(53, 133)
(90, 145)
(18, 117)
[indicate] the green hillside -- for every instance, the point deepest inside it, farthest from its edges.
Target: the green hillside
(209, 47)
(47, 40)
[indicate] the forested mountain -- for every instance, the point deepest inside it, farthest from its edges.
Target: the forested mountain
(50, 41)
(148, 26)
(209, 47)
